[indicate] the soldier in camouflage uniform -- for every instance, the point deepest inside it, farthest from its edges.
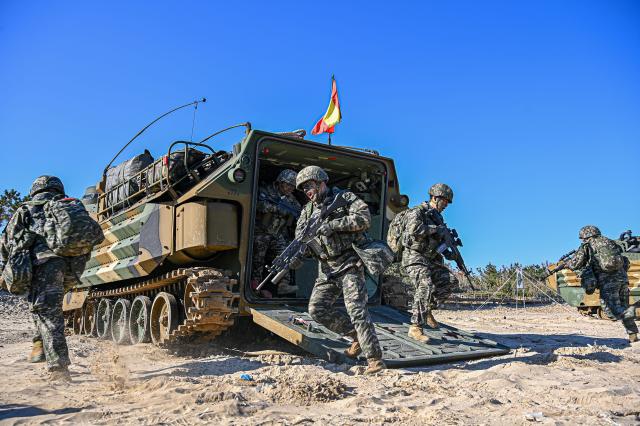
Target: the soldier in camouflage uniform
(277, 211)
(47, 285)
(433, 281)
(613, 283)
(340, 269)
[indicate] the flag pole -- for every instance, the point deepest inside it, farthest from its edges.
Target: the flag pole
(333, 78)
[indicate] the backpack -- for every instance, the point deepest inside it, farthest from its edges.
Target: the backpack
(396, 230)
(609, 256)
(69, 229)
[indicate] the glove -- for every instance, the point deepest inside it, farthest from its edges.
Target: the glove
(325, 230)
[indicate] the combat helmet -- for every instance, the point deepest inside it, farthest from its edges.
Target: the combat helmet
(287, 176)
(46, 184)
(442, 190)
(311, 173)
(588, 232)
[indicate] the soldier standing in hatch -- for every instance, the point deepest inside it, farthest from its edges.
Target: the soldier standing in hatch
(26, 231)
(340, 269)
(433, 281)
(277, 210)
(605, 258)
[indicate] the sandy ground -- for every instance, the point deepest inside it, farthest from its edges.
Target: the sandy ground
(563, 369)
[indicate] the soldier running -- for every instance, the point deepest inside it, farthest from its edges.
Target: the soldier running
(341, 270)
(609, 266)
(277, 211)
(26, 231)
(433, 281)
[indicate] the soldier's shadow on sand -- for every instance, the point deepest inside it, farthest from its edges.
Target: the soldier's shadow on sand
(9, 411)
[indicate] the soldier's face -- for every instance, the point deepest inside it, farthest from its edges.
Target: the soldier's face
(440, 204)
(313, 190)
(285, 188)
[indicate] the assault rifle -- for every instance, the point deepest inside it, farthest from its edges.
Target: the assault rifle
(449, 246)
(561, 264)
(294, 251)
(282, 203)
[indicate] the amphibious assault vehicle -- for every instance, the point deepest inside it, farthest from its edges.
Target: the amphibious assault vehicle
(568, 285)
(176, 259)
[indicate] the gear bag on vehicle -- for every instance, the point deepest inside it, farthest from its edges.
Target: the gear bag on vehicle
(609, 256)
(69, 229)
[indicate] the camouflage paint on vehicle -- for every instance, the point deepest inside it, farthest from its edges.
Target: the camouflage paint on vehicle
(136, 242)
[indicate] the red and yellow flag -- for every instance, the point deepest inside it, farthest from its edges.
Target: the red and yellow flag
(332, 116)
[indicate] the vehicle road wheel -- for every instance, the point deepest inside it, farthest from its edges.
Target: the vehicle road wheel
(139, 320)
(164, 317)
(77, 321)
(89, 319)
(103, 318)
(120, 322)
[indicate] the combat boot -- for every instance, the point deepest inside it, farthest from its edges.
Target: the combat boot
(354, 350)
(633, 337)
(431, 321)
(60, 374)
(37, 352)
(374, 366)
(415, 332)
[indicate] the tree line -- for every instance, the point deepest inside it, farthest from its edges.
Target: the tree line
(10, 200)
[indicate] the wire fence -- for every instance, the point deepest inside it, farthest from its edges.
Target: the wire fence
(514, 285)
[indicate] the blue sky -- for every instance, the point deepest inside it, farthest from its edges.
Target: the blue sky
(529, 110)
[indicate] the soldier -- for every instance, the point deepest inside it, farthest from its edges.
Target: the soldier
(340, 269)
(605, 259)
(47, 284)
(433, 281)
(277, 210)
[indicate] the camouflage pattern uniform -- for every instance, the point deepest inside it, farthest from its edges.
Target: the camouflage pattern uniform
(433, 281)
(47, 285)
(273, 229)
(613, 285)
(341, 271)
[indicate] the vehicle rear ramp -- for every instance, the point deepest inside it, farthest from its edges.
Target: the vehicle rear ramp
(446, 344)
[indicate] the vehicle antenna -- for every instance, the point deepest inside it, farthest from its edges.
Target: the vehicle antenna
(193, 122)
(146, 127)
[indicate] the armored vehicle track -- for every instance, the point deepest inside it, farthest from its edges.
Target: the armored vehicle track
(150, 311)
